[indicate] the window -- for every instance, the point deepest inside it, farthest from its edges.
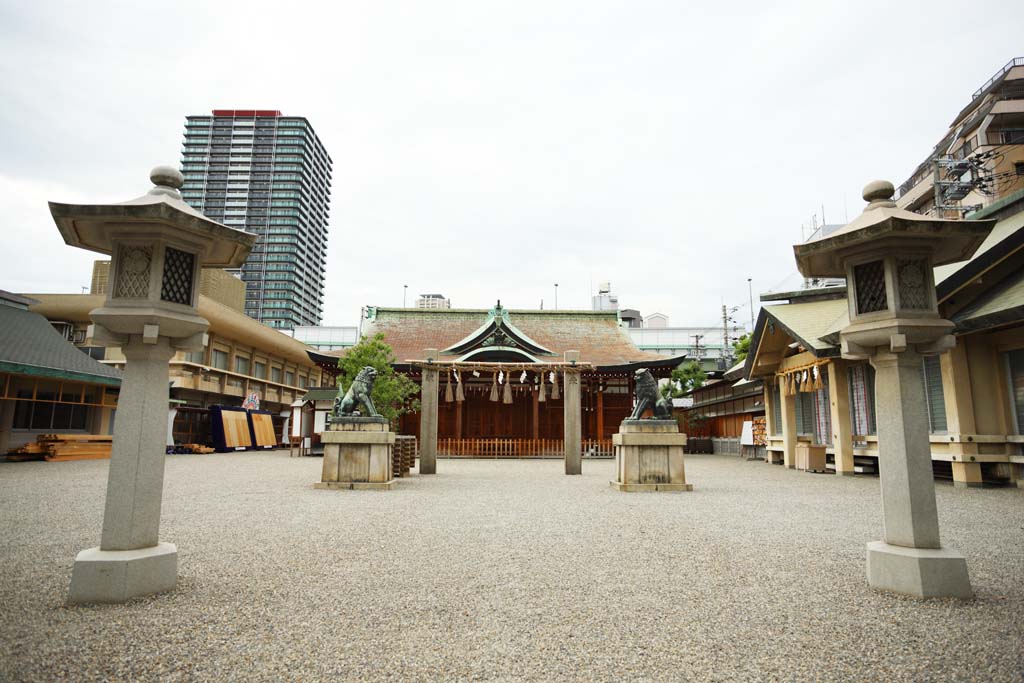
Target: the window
(862, 399)
(49, 416)
(822, 416)
(219, 359)
(1015, 368)
(289, 378)
(242, 365)
(259, 370)
(777, 410)
(275, 374)
(195, 357)
(804, 402)
(936, 401)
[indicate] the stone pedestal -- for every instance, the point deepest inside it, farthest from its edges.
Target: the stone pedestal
(130, 561)
(357, 454)
(649, 456)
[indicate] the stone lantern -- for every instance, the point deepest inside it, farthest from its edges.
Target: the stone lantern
(157, 244)
(887, 256)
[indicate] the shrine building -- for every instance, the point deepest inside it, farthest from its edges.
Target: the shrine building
(502, 373)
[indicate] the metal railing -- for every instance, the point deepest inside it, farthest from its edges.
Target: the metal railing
(1017, 61)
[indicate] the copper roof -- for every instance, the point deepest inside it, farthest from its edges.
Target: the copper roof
(595, 334)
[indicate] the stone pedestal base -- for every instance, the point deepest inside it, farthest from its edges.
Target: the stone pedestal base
(920, 572)
(120, 575)
(649, 456)
(357, 454)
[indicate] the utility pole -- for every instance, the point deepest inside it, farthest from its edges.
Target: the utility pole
(750, 293)
(696, 346)
(405, 290)
(556, 296)
(725, 333)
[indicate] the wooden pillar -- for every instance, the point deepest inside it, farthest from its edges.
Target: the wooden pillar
(458, 419)
(788, 427)
(536, 413)
(960, 420)
(572, 423)
(600, 412)
(842, 427)
(428, 416)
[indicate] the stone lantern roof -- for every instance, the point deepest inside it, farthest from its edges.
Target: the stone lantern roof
(85, 225)
(950, 240)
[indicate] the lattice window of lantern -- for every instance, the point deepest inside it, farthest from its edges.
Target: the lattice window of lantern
(870, 279)
(133, 272)
(912, 283)
(177, 283)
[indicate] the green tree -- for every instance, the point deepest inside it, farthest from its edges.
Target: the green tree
(393, 392)
(742, 347)
(686, 377)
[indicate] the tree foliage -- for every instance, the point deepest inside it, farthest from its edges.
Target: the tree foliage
(742, 347)
(686, 377)
(393, 392)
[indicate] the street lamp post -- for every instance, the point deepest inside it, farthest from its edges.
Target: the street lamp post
(158, 244)
(887, 256)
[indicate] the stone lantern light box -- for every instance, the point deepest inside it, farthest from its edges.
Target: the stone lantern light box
(887, 256)
(157, 244)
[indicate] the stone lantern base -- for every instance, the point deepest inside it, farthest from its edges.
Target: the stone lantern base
(120, 575)
(649, 456)
(920, 572)
(357, 454)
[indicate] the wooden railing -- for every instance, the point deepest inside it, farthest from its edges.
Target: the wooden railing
(518, 448)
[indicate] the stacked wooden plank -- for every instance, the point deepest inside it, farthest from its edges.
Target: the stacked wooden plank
(60, 447)
(197, 448)
(403, 455)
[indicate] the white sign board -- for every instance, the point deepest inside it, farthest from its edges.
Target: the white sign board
(747, 436)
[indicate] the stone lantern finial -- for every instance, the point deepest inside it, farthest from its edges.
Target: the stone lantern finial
(879, 193)
(166, 180)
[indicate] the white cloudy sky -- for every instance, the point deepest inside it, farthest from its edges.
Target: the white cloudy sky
(488, 150)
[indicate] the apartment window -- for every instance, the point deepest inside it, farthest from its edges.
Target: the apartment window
(862, 399)
(219, 359)
(1015, 369)
(936, 401)
(275, 373)
(289, 378)
(242, 365)
(259, 370)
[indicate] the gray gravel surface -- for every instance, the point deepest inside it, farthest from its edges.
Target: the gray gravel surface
(504, 570)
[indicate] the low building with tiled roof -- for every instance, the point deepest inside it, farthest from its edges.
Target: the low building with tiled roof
(482, 348)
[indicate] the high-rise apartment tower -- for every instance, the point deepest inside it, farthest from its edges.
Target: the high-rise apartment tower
(269, 174)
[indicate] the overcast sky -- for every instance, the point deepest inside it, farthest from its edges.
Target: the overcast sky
(488, 150)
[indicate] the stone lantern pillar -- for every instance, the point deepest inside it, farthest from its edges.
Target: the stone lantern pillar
(157, 244)
(887, 256)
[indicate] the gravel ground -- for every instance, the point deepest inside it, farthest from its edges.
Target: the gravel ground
(504, 570)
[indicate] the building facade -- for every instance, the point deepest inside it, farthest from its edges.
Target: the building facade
(46, 384)
(270, 175)
(433, 301)
(243, 358)
(980, 159)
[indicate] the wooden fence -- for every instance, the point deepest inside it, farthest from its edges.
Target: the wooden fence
(518, 448)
